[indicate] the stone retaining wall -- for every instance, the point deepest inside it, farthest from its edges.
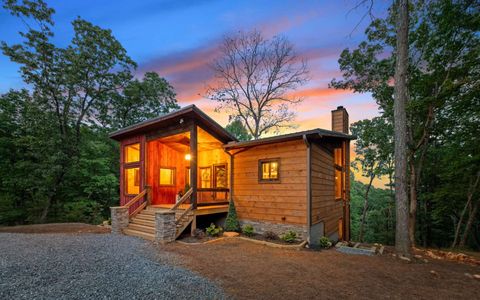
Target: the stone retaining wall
(279, 229)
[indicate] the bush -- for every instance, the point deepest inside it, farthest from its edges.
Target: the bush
(325, 242)
(213, 230)
(231, 223)
(85, 211)
(248, 230)
(290, 236)
(270, 235)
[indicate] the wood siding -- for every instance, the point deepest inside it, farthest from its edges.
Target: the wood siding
(160, 155)
(324, 206)
(284, 202)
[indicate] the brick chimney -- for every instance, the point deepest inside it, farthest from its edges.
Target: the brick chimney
(340, 119)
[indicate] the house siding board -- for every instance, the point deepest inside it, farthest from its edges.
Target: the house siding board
(324, 207)
(283, 202)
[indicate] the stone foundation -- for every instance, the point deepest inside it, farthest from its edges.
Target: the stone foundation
(119, 217)
(279, 229)
(165, 227)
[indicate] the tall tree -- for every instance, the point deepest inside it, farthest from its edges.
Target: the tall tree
(141, 100)
(254, 80)
(402, 240)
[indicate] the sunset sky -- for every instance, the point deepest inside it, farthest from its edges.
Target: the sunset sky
(178, 39)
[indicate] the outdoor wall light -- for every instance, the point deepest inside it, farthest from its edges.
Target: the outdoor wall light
(188, 156)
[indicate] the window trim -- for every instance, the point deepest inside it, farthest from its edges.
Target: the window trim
(125, 154)
(342, 174)
(260, 170)
(125, 183)
(174, 176)
(200, 176)
(214, 177)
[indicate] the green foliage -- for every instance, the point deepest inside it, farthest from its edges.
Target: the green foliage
(238, 130)
(248, 230)
(85, 211)
(231, 222)
(325, 242)
(289, 237)
(213, 230)
(58, 161)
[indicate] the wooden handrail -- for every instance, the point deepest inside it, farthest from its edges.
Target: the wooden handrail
(136, 198)
(184, 213)
(183, 199)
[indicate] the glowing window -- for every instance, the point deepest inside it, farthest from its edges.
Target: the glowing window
(205, 177)
(338, 183)
(338, 157)
(132, 153)
(132, 181)
(269, 170)
(167, 176)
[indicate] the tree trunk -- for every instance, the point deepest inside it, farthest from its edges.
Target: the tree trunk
(365, 208)
(471, 190)
(413, 203)
(402, 241)
(468, 227)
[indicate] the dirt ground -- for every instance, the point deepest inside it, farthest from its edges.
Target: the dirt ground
(250, 271)
(56, 228)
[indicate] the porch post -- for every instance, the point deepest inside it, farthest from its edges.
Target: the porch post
(193, 164)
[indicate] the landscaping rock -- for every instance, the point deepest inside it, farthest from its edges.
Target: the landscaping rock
(93, 266)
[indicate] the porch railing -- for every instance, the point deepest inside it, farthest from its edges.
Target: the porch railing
(139, 202)
(212, 196)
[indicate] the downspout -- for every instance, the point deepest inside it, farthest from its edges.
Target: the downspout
(309, 186)
(231, 174)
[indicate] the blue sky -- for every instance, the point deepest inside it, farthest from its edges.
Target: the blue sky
(178, 39)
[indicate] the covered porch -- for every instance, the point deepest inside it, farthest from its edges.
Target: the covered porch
(179, 169)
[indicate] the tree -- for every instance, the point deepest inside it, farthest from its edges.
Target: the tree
(373, 155)
(238, 130)
(442, 56)
(141, 100)
(402, 240)
(254, 78)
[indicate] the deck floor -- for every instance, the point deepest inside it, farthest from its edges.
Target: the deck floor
(201, 210)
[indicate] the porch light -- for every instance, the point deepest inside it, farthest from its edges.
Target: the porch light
(188, 156)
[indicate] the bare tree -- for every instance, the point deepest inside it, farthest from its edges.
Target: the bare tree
(254, 76)
(402, 241)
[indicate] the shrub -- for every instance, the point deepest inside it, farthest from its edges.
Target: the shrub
(325, 242)
(231, 223)
(213, 230)
(270, 235)
(290, 236)
(248, 230)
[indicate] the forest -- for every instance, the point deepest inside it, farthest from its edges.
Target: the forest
(60, 166)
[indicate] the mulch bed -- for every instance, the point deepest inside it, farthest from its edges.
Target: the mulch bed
(260, 237)
(250, 271)
(195, 240)
(56, 228)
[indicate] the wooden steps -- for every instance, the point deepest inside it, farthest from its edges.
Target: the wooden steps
(142, 225)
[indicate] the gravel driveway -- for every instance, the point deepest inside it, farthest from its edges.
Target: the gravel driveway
(93, 266)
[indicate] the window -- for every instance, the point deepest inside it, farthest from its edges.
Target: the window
(220, 176)
(339, 173)
(167, 176)
(132, 181)
(205, 177)
(269, 170)
(132, 153)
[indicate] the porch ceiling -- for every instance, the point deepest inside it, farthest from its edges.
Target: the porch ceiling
(181, 142)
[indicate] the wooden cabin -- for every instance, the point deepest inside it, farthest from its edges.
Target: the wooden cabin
(183, 165)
